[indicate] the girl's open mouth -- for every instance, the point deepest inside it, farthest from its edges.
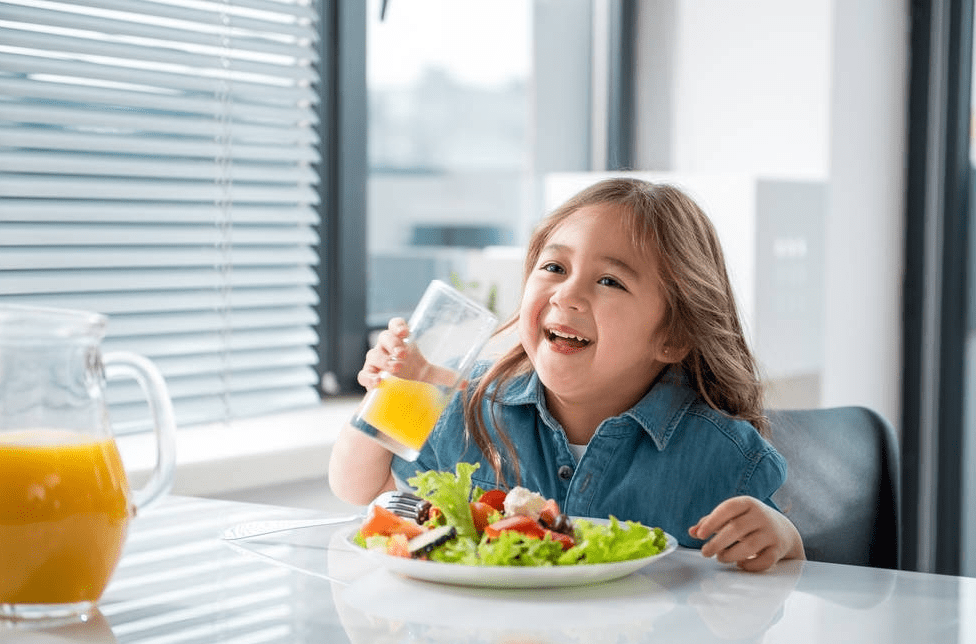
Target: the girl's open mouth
(564, 342)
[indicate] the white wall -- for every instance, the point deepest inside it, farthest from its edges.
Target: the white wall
(865, 224)
(814, 89)
(752, 87)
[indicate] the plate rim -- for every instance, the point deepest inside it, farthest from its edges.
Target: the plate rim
(511, 576)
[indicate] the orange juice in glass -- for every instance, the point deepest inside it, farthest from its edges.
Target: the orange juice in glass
(405, 410)
(448, 330)
(65, 502)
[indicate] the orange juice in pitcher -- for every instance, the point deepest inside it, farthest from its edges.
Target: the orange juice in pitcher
(64, 512)
(65, 502)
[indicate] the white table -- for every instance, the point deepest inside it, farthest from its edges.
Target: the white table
(179, 582)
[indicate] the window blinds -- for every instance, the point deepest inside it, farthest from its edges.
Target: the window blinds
(156, 165)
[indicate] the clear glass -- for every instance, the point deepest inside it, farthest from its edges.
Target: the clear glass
(65, 502)
(447, 332)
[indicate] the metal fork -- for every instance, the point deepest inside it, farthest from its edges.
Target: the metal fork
(404, 504)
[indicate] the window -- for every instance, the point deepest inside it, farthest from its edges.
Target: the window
(470, 104)
(158, 163)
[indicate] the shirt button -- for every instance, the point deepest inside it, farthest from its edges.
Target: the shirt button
(565, 472)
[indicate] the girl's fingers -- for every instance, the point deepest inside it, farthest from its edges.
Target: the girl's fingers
(760, 561)
(744, 548)
(720, 541)
(376, 359)
(398, 326)
(387, 355)
(728, 526)
(391, 341)
(724, 515)
(368, 378)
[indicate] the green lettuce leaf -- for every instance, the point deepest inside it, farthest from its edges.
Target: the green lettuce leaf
(514, 549)
(618, 541)
(509, 549)
(450, 493)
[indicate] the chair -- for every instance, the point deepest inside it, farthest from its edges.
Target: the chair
(842, 490)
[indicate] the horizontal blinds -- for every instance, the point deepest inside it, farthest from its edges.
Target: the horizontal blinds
(157, 164)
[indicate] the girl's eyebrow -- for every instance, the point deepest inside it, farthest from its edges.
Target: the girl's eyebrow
(619, 264)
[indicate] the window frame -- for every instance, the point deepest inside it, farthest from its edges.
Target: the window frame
(936, 295)
(343, 172)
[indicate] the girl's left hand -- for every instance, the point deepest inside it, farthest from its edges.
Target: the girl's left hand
(745, 531)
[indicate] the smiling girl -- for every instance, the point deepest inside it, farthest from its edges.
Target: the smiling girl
(631, 392)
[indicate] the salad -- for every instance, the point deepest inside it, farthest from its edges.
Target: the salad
(463, 524)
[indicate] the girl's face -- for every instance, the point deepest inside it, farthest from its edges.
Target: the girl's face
(591, 311)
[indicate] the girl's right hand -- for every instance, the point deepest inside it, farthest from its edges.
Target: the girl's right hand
(388, 355)
(394, 356)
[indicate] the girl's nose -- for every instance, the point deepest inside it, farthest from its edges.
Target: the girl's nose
(569, 295)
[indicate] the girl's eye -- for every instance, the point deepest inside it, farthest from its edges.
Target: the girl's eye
(609, 281)
(552, 267)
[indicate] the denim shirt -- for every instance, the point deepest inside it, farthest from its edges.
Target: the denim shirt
(666, 462)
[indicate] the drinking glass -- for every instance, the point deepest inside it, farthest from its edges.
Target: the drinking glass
(447, 332)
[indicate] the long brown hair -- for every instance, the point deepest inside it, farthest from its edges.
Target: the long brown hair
(700, 308)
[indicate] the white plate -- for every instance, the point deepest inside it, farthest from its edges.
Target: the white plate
(511, 576)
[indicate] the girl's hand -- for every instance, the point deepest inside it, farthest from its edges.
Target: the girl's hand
(745, 531)
(387, 355)
(399, 358)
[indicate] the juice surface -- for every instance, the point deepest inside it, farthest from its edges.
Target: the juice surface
(405, 410)
(64, 513)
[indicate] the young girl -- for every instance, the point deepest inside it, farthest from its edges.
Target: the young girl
(631, 391)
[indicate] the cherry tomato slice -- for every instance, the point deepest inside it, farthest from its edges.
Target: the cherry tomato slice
(494, 498)
(381, 521)
(526, 525)
(565, 540)
(480, 513)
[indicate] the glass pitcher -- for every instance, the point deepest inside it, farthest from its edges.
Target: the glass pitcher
(65, 502)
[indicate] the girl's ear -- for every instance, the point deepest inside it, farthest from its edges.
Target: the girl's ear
(671, 353)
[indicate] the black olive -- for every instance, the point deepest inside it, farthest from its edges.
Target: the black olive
(562, 524)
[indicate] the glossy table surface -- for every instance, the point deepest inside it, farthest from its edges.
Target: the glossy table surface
(180, 581)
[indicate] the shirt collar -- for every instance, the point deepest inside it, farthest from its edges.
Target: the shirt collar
(658, 413)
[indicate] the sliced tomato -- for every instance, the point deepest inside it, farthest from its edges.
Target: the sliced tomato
(565, 540)
(480, 513)
(549, 512)
(526, 525)
(397, 545)
(494, 498)
(381, 521)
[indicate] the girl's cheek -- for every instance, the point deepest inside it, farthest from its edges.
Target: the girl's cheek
(528, 331)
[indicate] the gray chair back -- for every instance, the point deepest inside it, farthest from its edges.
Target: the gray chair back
(842, 490)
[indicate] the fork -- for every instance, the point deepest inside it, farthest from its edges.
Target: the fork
(404, 504)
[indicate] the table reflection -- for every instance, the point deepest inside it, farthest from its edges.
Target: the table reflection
(94, 629)
(380, 602)
(738, 605)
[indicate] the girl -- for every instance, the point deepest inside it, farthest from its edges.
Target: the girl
(631, 390)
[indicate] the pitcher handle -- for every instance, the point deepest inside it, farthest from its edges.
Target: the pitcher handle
(144, 372)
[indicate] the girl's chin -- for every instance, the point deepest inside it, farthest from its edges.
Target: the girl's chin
(564, 381)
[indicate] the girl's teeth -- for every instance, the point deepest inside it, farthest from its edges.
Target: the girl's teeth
(568, 337)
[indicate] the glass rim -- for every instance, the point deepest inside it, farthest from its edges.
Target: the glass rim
(437, 286)
(17, 320)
